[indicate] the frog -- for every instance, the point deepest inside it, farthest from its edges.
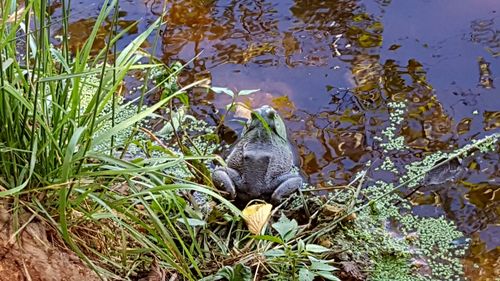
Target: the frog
(261, 163)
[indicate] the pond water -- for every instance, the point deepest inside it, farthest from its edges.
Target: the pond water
(331, 67)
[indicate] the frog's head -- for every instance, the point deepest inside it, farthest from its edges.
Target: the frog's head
(266, 119)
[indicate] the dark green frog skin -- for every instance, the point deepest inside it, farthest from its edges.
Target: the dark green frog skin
(261, 162)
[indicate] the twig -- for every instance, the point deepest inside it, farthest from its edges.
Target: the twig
(325, 188)
(360, 177)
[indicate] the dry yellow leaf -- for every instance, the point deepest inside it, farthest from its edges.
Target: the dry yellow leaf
(256, 216)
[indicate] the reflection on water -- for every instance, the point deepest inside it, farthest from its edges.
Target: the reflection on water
(331, 67)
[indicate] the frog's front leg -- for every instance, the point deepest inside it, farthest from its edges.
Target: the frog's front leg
(226, 179)
(286, 185)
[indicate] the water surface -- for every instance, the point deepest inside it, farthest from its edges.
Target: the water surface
(331, 67)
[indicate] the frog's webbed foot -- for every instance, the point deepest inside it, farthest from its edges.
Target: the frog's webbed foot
(225, 178)
(287, 184)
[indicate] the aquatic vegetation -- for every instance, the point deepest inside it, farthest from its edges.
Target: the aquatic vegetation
(433, 240)
(394, 268)
(388, 165)
(109, 116)
(391, 141)
(417, 171)
(391, 241)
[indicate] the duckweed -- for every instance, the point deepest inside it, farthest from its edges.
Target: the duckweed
(391, 141)
(388, 165)
(429, 239)
(200, 144)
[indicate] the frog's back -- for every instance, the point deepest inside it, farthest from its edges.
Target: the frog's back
(261, 162)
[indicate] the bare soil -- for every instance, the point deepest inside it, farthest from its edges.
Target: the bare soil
(30, 255)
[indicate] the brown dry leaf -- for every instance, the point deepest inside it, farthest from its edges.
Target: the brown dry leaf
(332, 211)
(353, 270)
(325, 242)
(284, 105)
(256, 216)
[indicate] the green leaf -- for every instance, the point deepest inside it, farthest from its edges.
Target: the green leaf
(184, 98)
(70, 150)
(286, 228)
(328, 275)
(56, 53)
(306, 275)
(132, 47)
(268, 238)
(300, 245)
(274, 253)
(25, 183)
(192, 222)
(247, 92)
(221, 90)
(261, 119)
(7, 63)
(313, 248)
(280, 126)
(178, 118)
(237, 273)
(322, 266)
(240, 273)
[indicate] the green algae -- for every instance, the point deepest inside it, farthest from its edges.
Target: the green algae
(388, 165)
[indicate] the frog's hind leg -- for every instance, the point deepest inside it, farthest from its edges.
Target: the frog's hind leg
(287, 184)
(226, 178)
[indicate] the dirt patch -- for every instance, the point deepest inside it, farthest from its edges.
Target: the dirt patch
(32, 257)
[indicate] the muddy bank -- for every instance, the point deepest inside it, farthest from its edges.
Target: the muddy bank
(33, 257)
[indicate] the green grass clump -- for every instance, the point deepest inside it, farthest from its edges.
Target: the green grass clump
(64, 132)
